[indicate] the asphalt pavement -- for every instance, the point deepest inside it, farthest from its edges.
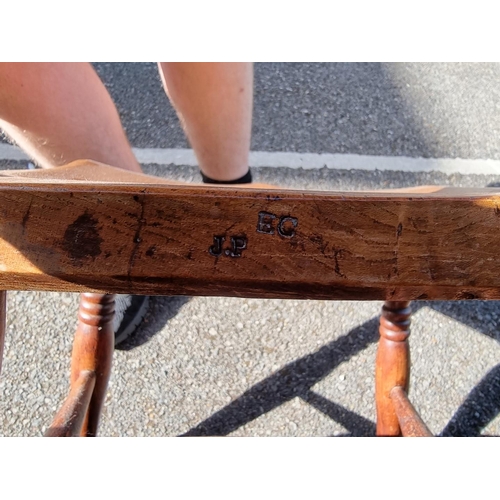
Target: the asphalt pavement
(419, 110)
(248, 367)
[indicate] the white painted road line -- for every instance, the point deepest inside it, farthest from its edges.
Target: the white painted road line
(310, 161)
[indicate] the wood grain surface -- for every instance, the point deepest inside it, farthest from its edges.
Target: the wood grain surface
(409, 420)
(93, 228)
(392, 365)
(69, 420)
(93, 347)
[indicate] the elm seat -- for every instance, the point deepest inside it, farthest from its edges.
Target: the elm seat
(92, 228)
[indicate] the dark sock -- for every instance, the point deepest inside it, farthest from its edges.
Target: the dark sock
(246, 179)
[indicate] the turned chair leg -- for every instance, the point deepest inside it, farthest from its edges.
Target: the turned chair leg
(393, 364)
(93, 347)
(93, 351)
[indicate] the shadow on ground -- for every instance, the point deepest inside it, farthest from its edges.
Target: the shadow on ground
(161, 310)
(297, 378)
(480, 407)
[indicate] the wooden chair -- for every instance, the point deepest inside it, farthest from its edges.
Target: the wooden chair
(96, 229)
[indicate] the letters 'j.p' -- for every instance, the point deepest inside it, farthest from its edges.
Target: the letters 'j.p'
(238, 244)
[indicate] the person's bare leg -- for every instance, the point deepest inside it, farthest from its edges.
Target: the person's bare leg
(61, 112)
(214, 102)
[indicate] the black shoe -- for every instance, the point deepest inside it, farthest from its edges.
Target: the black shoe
(129, 313)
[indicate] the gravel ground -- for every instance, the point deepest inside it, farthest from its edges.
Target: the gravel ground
(247, 367)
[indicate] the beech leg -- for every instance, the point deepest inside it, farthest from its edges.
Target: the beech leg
(393, 363)
(409, 420)
(70, 418)
(93, 350)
